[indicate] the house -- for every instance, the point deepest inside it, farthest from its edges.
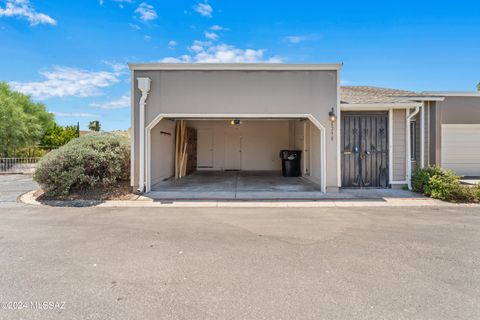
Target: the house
(216, 118)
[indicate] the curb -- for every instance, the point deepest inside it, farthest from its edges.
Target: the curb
(29, 198)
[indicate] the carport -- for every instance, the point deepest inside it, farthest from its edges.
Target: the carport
(233, 157)
(241, 115)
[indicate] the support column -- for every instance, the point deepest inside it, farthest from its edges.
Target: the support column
(409, 158)
(422, 137)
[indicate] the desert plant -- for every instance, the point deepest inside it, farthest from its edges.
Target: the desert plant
(93, 161)
(94, 125)
(440, 184)
(421, 178)
(443, 185)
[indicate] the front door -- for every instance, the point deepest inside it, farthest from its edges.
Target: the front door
(365, 149)
(233, 151)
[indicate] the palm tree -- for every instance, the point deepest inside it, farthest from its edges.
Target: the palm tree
(94, 125)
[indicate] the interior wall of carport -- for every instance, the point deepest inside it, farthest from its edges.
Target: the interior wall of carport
(306, 137)
(312, 93)
(261, 142)
(162, 150)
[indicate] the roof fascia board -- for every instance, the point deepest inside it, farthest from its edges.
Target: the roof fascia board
(235, 66)
(352, 106)
(432, 98)
(454, 94)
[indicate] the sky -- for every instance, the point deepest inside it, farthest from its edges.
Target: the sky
(72, 55)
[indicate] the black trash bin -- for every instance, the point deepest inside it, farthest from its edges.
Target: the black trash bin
(291, 163)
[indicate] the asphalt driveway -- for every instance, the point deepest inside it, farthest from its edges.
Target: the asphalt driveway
(184, 263)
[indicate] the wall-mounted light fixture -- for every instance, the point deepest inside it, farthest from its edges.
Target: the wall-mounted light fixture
(333, 119)
(333, 116)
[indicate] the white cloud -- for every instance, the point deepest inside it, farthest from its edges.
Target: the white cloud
(75, 115)
(116, 67)
(23, 9)
(204, 9)
(147, 38)
(211, 35)
(300, 38)
(172, 44)
(218, 28)
(221, 53)
(134, 26)
(198, 46)
(65, 82)
(122, 102)
(146, 12)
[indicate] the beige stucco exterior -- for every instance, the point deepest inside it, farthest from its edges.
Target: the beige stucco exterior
(282, 107)
(206, 94)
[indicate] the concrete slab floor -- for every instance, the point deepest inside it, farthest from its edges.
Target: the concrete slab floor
(258, 185)
(235, 185)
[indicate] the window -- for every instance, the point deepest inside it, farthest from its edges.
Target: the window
(413, 140)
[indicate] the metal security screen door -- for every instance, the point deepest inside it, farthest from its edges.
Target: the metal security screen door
(365, 149)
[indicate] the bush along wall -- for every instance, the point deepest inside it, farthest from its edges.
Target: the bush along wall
(443, 184)
(99, 160)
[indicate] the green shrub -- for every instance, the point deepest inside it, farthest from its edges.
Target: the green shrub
(93, 161)
(443, 185)
(421, 178)
(476, 191)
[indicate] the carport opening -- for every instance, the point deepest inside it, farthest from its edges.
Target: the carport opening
(218, 156)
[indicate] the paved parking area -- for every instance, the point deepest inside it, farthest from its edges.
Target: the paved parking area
(12, 186)
(232, 263)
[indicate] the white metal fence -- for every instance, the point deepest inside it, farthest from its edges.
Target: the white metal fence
(18, 165)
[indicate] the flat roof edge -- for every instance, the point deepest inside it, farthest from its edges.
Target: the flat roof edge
(236, 66)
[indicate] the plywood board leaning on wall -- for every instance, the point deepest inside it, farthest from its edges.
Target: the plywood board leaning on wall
(185, 149)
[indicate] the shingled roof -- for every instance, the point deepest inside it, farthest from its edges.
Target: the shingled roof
(374, 95)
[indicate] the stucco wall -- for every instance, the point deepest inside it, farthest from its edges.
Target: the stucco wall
(399, 145)
(242, 92)
(261, 142)
(460, 110)
(315, 173)
(162, 153)
(300, 140)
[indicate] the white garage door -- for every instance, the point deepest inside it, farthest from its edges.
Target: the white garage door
(461, 148)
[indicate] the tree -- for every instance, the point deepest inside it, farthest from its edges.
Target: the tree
(94, 125)
(22, 122)
(478, 87)
(58, 136)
